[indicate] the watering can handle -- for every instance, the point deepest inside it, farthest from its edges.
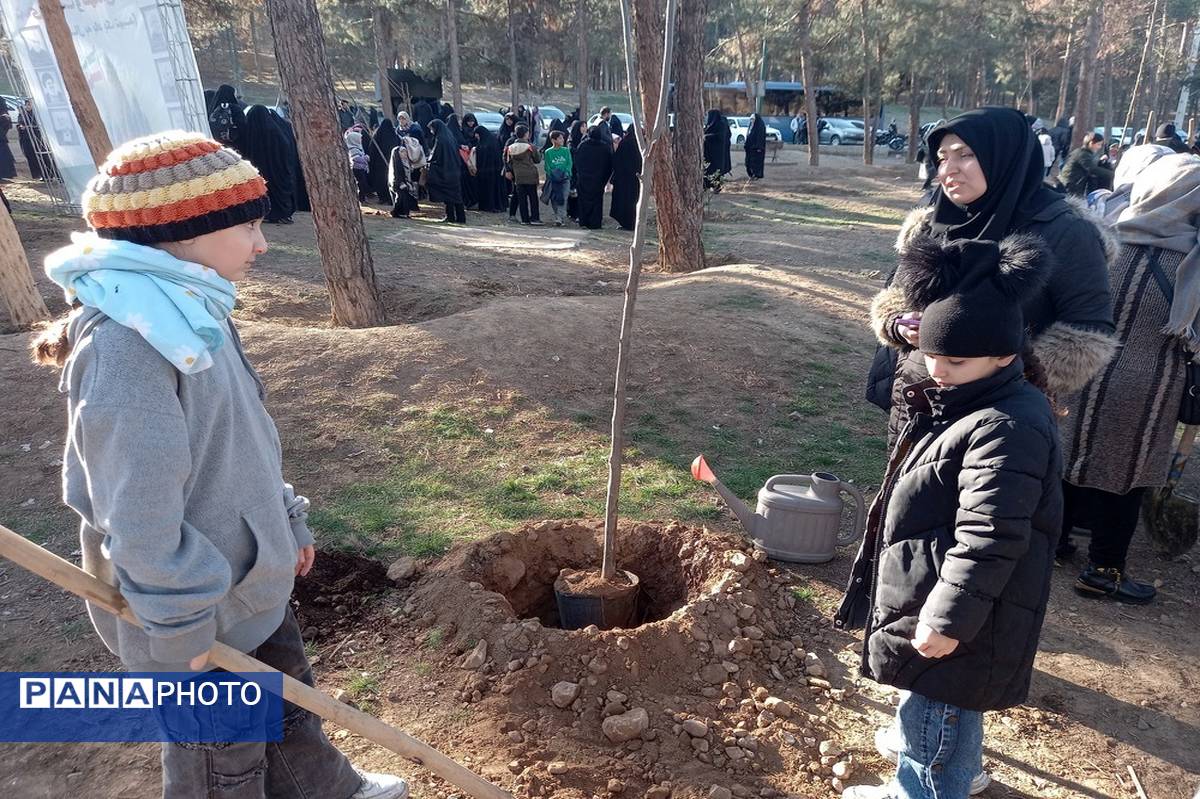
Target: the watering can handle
(856, 530)
(788, 480)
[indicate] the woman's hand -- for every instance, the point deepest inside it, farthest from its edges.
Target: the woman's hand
(911, 335)
(199, 662)
(304, 561)
(930, 643)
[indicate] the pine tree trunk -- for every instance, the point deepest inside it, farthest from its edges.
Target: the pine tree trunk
(1158, 55)
(254, 43)
(808, 78)
(79, 93)
(678, 185)
(455, 65)
(17, 289)
(582, 70)
(1108, 100)
(512, 58)
(1084, 106)
(382, 29)
(337, 217)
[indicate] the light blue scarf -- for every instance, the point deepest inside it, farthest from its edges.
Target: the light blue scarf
(179, 307)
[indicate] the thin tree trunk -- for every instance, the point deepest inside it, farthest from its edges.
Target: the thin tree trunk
(337, 217)
(868, 117)
(382, 29)
(1029, 79)
(808, 78)
(1185, 88)
(1159, 57)
(1084, 107)
(647, 139)
(455, 65)
(582, 70)
(235, 63)
(753, 91)
(78, 92)
(254, 44)
(1134, 95)
(1061, 109)
(512, 58)
(1108, 99)
(17, 289)
(914, 117)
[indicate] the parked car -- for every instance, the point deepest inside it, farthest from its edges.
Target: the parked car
(1115, 134)
(740, 126)
(838, 130)
(549, 113)
(489, 119)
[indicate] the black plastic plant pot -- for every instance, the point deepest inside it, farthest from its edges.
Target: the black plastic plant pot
(607, 606)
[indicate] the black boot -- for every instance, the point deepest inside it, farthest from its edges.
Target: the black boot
(1097, 582)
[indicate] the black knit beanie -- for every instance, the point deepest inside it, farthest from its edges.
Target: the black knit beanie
(973, 292)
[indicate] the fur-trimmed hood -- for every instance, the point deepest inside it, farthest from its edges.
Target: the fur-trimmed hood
(930, 269)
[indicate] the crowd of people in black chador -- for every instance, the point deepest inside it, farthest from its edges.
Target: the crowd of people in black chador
(429, 154)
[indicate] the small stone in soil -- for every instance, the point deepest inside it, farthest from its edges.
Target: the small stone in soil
(564, 693)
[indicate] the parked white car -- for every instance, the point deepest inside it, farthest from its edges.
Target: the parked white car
(740, 126)
(626, 119)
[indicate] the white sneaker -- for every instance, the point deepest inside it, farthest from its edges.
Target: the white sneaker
(887, 744)
(380, 786)
(868, 792)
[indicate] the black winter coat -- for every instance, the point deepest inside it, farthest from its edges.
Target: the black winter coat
(1070, 320)
(962, 537)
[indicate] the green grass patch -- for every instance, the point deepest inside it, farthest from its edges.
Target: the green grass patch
(363, 686)
(435, 638)
(803, 593)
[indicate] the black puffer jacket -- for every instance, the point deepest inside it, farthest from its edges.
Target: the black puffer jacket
(1070, 320)
(962, 536)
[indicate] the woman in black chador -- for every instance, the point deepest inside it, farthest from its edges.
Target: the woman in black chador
(593, 166)
(627, 165)
(574, 139)
(8, 166)
(265, 145)
(716, 150)
(756, 147)
(379, 151)
(489, 167)
(444, 179)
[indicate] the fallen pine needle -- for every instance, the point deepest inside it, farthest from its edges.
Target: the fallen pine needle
(1137, 783)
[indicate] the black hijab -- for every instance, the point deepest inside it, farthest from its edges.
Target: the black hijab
(210, 100)
(712, 124)
(226, 94)
(576, 134)
(469, 123)
(614, 126)
(455, 129)
(1011, 159)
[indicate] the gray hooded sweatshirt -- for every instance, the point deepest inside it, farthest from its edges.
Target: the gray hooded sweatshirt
(178, 482)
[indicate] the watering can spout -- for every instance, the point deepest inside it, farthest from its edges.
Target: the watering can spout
(702, 472)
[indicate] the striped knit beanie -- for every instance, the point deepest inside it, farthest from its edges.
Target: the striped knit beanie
(170, 187)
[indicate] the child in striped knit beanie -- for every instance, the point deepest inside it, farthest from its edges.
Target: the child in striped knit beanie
(172, 461)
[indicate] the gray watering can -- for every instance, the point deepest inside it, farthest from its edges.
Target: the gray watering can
(798, 516)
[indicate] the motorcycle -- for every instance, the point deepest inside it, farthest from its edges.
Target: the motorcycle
(891, 139)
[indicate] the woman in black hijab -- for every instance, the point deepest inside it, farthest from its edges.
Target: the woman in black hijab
(627, 165)
(614, 126)
(444, 179)
(990, 188)
(716, 149)
(237, 113)
(265, 145)
(508, 129)
(469, 123)
(209, 100)
(380, 154)
(756, 147)
(468, 180)
(489, 165)
(8, 165)
(573, 141)
(422, 116)
(593, 167)
(285, 126)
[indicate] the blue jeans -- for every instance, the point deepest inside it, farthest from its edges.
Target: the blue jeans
(942, 749)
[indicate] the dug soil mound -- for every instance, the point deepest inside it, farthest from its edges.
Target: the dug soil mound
(713, 686)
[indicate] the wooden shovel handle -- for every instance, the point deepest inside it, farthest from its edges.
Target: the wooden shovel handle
(1187, 442)
(66, 575)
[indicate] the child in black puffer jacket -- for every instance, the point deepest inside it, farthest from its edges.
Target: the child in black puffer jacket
(953, 576)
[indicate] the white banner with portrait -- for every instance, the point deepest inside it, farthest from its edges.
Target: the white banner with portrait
(138, 61)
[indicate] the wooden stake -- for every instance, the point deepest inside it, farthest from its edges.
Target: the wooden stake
(17, 289)
(66, 575)
(1137, 783)
(82, 102)
(1191, 136)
